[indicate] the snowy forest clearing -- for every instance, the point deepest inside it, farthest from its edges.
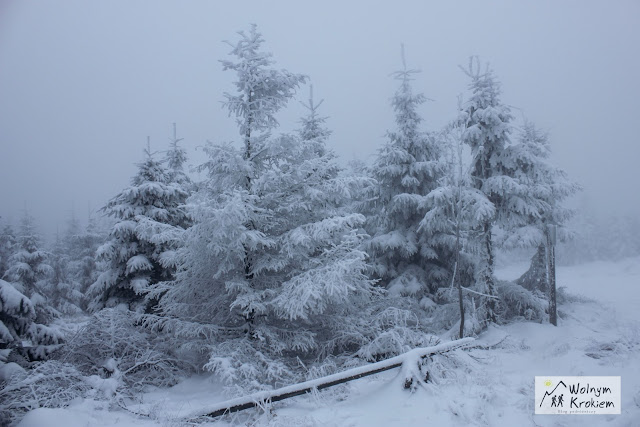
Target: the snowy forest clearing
(281, 269)
(491, 387)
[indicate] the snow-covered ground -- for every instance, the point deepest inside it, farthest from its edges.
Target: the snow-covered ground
(598, 334)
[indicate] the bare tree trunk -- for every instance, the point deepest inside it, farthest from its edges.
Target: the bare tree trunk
(535, 278)
(488, 274)
(455, 272)
(551, 263)
(248, 265)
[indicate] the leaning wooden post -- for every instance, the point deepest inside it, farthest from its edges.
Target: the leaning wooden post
(551, 266)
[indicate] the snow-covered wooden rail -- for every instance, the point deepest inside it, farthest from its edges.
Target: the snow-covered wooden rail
(260, 398)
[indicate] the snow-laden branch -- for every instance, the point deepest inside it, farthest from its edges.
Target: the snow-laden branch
(479, 293)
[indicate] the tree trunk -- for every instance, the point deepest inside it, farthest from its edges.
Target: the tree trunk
(488, 274)
(248, 265)
(551, 262)
(535, 278)
(455, 272)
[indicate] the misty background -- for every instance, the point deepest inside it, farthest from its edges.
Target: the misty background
(82, 84)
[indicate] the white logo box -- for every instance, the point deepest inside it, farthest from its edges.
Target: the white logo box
(577, 395)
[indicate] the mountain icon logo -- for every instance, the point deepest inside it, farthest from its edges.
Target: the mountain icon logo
(546, 393)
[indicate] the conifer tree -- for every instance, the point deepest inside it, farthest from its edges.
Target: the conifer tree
(176, 157)
(313, 125)
(84, 267)
(534, 200)
(29, 269)
(455, 217)
(271, 266)
(64, 290)
(7, 247)
(407, 169)
(535, 190)
(140, 251)
(488, 127)
(25, 306)
(261, 92)
(17, 316)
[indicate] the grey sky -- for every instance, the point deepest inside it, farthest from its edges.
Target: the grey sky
(82, 83)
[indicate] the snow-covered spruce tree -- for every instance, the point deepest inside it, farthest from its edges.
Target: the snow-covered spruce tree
(261, 92)
(176, 157)
(7, 247)
(22, 340)
(29, 275)
(533, 202)
(29, 269)
(270, 273)
(140, 251)
(16, 320)
(313, 127)
(488, 126)
(83, 267)
(533, 191)
(65, 295)
(456, 213)
(406, 168)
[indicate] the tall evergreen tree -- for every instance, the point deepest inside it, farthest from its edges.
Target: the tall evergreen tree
(176, 157)
(313, 125)
(18, 327)
(535, 199)
(534, 191)
(488, 128)
(7, 247)
(142, 242)
(25, 308)
(271, 267)
(455, 217)
(64, 290)
(84, 268)
(29, 269)
(407, 169)
(261, 92)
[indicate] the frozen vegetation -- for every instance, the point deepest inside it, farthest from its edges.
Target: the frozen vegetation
(598, 334)
(281, 272)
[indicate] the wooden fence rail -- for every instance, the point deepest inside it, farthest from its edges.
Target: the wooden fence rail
(260, 398)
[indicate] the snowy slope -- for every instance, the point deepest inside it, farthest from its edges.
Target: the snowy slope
(597, 335)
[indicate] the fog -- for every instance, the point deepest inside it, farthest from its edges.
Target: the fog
(83, 83)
